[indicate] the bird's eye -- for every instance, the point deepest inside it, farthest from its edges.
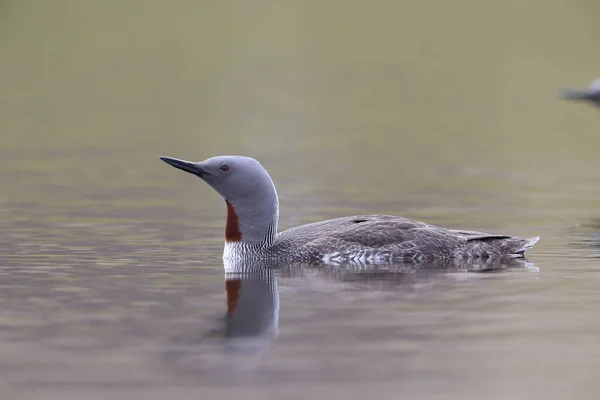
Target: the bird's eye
(224, 167)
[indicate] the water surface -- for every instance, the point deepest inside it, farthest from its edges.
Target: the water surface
(112, 285)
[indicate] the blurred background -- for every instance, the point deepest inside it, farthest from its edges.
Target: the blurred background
(440, 111)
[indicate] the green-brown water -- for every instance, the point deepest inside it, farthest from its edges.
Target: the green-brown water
(111, 280)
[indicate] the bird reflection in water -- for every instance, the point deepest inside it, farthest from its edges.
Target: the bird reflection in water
(237, 340)
(252, 300)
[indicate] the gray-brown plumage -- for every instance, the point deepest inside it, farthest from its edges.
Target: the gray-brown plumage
(253, 211)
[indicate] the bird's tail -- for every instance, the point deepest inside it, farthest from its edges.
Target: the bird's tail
(522, 245)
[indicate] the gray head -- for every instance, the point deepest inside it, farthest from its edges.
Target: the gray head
(590, 94)
(252, 204)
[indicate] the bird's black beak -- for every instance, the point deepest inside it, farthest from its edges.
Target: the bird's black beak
(569, 94)
(186, 166)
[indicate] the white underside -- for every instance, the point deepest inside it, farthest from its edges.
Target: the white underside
(238, 251)
(362, 257)
(232, 251)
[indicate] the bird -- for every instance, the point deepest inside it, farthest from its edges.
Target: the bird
(590, 94)
(253, 213)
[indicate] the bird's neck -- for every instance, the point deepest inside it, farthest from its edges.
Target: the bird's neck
(252, 220)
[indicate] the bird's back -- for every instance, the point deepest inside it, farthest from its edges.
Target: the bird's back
(386, 238)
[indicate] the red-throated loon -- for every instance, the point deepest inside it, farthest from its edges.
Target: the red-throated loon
(253, 213)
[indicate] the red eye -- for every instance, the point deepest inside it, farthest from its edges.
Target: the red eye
(224, 168)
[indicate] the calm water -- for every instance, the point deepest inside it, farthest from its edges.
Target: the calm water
(112, 285)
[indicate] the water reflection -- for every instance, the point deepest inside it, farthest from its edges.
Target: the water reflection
(252, 300)
(585, 238)
(236, 341)
(390, 276)
(252, 315)
(234, 345)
